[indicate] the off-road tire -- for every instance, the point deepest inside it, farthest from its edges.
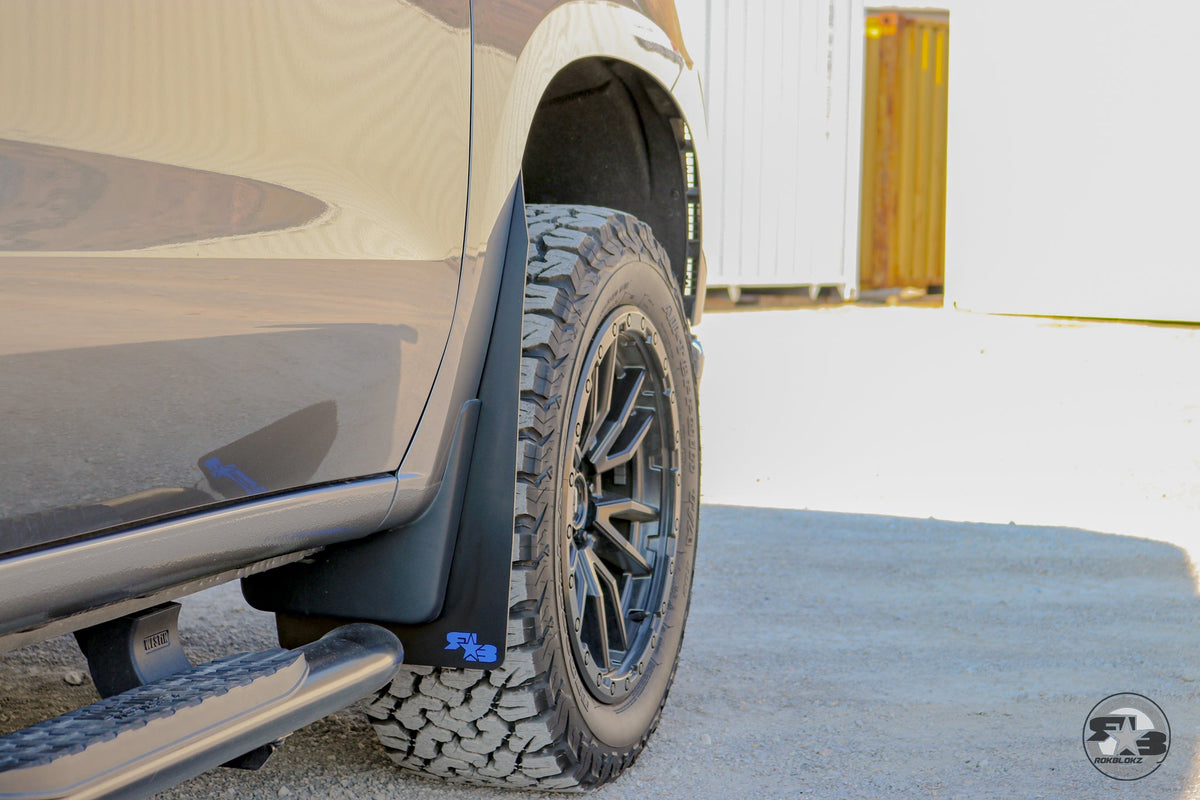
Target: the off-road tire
(548, 718)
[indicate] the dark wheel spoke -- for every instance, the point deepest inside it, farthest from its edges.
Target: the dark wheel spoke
(627, 509)
(601, 400)
(619, 550)
(628, 443)
(596, 628)
(614, 630)
(586, 583)
(625, 393)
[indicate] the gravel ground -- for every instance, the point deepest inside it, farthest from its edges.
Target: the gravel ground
(932, 541)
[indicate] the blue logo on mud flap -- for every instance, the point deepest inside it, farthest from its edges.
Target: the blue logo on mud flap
(472, 649)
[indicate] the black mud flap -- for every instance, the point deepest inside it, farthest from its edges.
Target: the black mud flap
(440, 583)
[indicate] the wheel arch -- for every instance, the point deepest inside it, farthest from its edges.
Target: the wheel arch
(606, 132)
(623, 67)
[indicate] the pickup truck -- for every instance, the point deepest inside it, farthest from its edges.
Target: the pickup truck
(383, 308)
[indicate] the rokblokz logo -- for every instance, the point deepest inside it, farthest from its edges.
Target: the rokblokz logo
(472, 649)
(1126, 736)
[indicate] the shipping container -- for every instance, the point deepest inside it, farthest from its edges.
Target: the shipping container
(903, 217)
(783, 87)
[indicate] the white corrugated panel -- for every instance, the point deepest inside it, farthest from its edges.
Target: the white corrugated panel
(783, 84)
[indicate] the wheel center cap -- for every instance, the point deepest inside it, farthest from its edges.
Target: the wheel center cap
(579, 500)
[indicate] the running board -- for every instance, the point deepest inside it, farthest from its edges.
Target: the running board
(154, 736)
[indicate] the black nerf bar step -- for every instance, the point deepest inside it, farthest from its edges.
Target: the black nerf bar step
(148, 738)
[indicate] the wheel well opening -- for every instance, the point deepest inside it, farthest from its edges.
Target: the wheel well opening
(607, 134)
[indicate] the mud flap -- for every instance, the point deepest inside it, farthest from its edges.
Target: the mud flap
(441, 583)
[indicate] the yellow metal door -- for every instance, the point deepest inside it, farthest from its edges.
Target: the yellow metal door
(903, 220)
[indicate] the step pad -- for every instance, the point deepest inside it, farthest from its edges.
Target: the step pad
(75, 731)
(150, 737)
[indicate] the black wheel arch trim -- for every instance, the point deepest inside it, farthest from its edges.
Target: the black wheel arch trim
(608, 133)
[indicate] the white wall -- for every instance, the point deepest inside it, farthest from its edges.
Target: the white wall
(1074, 158)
